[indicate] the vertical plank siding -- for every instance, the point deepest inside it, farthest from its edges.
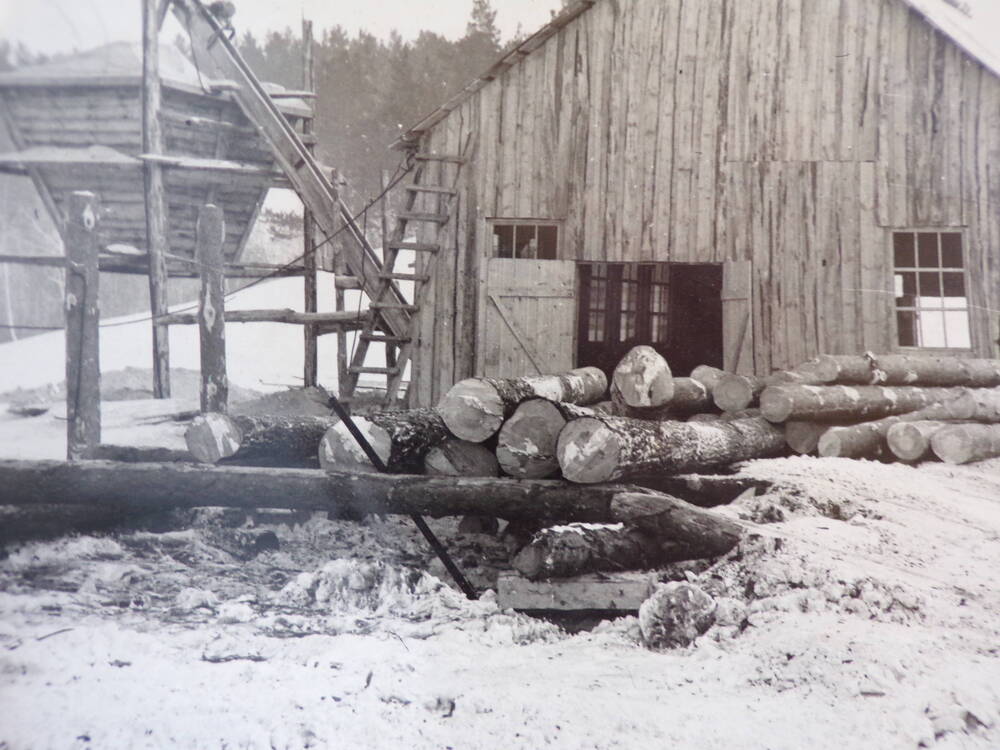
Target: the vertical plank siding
(795, 134)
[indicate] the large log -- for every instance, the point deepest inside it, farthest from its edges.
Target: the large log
(738, 392)
(847, 403)
(145, 486)
(474, 409)
(400, 438)
(654, 530)
(963, 443)
(601, 449)
(868, 439)
(708, 376)
(268, 440)
(906, 369)
(803, 436)
(643, 378)
(911, 441)
(526, 444)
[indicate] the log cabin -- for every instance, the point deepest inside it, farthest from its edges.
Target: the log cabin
(738, 183)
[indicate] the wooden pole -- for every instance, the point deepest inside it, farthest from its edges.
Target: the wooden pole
(905, 369)
(391, 351)
(157, 246)
(210, 233)
(147, 486)
(340, 305)
(310, 370)
(83, 369)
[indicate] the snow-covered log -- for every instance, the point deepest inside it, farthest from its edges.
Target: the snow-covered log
(401, 439)
(601, 449)
(643, 378)
(690, 397)
(475, 408)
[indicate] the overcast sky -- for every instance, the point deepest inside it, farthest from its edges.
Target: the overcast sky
(62, 25)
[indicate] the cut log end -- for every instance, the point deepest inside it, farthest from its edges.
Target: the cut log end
(803, 436)
(473, 410)
(964, 443)
(735, 392)
(212, 437)
(460, 458)
(529, 562)
(643, 378)
(339, 451)
(588, 451)
(526, 445)
(911, 441)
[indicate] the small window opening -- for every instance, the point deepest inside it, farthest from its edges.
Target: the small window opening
(524, 239)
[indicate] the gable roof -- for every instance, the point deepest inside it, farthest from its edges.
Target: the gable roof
(978, 40)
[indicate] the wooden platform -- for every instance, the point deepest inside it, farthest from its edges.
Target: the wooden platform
(600, 592)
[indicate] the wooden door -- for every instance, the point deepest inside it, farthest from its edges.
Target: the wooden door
(528, 321)
(737, 316)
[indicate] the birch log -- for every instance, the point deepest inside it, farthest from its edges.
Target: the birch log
(601, 449)
(269, 440)
(963, 443)
(474, 409)
(847, 403)
(401, 439)
(911, 441)
(643, 378)
(905, 369)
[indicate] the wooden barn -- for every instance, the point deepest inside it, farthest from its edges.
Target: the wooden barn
(741, 183)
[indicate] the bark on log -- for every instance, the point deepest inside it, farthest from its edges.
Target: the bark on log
(643, 378)
(460, 458)
(164, 485)
(905, 369)
(868, 439)
(911, 441)
(474, 409)
(847, 403)
(654, 530)
(601, 449)
(963, 443)
(576, 549)
(268, 440)
(400, 438)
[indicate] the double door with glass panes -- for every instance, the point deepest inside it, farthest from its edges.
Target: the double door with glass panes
(674, 307)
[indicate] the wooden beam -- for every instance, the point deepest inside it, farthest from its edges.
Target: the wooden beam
(155, 197)
(288, 316)
(310, 366)
(619, 592)
(210, 233)
(83, 369)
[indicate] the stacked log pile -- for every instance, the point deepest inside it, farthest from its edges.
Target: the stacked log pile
(645, 426)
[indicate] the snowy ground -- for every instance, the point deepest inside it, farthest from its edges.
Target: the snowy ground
(860, 612)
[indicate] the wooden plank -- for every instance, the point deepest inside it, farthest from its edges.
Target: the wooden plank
(157, 245)
(310, 366)
(211, 230)
(83, 368)
(737, 319)
(623, 592)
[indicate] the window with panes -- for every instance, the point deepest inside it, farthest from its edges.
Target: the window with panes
(932, 303)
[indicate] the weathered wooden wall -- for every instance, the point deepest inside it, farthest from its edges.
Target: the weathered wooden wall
(793, 133)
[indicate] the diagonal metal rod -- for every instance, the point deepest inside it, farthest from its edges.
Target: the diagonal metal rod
(439, 550)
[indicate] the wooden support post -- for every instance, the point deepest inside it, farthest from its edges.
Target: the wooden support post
(340, 303)
(155, 197)
(311, 366)
(391, 351)
(83, 369)
(210, 234)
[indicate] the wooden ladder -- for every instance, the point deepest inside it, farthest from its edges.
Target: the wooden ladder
(436, 216)
(216, 56)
